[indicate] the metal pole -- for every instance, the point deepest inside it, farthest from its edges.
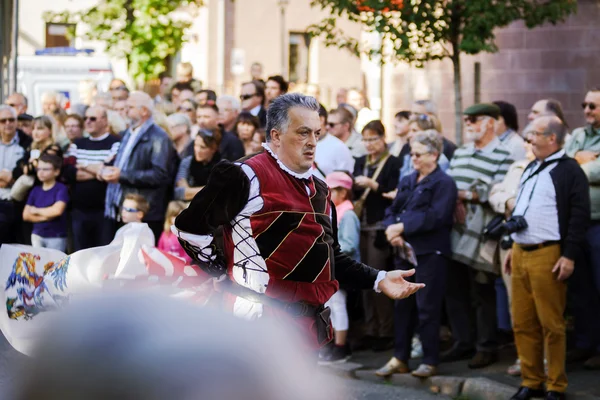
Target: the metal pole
(15, 49)
(284, 64)
(2, 52)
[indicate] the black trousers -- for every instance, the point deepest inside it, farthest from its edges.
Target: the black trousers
(423, 311)
(468, 300)
(8, 222)
(88, 229)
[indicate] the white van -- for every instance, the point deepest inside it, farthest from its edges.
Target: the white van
(62, 74)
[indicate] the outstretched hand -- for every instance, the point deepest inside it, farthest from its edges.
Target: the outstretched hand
(395, 287)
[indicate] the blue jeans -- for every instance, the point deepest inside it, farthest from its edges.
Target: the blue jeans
(59, 243)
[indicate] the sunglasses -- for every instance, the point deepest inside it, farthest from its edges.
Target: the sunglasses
(247, 96)
(131, 210)
(5, 120)
(418, 155)
(591, 106)
(472, 118)
(93, 119)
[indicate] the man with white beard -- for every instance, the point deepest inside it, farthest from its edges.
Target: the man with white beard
(475, 168)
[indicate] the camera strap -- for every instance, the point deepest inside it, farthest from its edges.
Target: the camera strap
(536, 174)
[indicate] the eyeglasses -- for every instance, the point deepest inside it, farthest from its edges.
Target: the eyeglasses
(9, 120)
(472, 118)
(332, 124)
(118, 88)
(418, 155)
(370, 140)
(247, 96)
(591, 106)
(93, 119)
(13, 105)
(45, 169)
(186, 109)
(131, 210)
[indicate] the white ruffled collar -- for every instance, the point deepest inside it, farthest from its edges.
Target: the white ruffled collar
(307, 175)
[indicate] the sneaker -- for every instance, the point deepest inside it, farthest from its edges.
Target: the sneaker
(338, 355)
(515, 369)
(417, 348)
(326, 350)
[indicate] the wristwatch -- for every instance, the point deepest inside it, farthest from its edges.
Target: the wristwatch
(469, 195)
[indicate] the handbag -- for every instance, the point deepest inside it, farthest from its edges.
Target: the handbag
(359, 204)
(21, 187)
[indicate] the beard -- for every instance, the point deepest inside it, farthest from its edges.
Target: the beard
(475, 135)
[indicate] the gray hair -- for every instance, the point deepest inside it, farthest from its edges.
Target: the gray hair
(235, 103)
(143, 100)
(105, 96)
(51, 95)
(554, 126)
(430, 139)
(4, 107)
(278, 117)
(429, 106)
(178, 119)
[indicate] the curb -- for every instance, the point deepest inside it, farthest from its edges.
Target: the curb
(451, 386)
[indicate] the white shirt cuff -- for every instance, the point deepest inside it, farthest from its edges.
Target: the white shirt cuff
(380, 277)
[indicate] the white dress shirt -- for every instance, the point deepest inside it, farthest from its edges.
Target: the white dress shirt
(332, 155)
(536, 201)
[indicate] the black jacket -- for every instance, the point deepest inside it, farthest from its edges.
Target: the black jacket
(573, 205)
(427, 210)
(150, 170)
(375, 203)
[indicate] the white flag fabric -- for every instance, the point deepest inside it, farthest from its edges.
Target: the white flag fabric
(38, 281)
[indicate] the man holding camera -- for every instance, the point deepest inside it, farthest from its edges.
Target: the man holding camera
(551, 215)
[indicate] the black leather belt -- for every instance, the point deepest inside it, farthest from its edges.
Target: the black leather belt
(533, 247)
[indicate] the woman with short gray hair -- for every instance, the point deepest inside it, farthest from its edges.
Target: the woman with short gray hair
(422, 215)
(180, 128)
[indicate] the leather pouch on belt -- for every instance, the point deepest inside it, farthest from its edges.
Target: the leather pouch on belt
(324, 329)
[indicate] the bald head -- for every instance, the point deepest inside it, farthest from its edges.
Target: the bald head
(18, 102)
(552, 125)
(547, 135)
(155, 348)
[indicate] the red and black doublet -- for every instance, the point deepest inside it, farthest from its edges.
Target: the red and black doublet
(279, 236)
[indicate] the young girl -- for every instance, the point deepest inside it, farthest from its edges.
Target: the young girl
(42, 138)
(168, 241)
(340, 184)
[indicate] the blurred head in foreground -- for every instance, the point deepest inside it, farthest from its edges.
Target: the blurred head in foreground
(123, 347)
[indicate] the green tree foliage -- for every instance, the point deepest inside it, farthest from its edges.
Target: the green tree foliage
(418, 31)
(143, 32)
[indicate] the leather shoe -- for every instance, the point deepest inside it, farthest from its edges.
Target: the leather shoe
(394, 366)
(482, 360)
(592, 363)
(525, 393)
(552, 395)
(579, 355)
(455, 354)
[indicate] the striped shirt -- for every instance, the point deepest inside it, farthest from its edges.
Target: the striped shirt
(94, 150)
(90, 194)
(478, 169)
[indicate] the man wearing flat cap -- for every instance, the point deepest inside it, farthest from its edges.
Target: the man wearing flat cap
(475, 168)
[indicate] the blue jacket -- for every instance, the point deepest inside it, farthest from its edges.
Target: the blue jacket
(426, 209)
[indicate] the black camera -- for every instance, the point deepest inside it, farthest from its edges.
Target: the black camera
(516, 223)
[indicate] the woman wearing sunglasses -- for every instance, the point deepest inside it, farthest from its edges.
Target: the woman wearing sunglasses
(194, 170)
(421, 215)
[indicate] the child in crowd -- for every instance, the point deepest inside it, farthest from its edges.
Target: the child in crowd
(168, 241)
(42, 139)
(340, 184)
(46, 206)
(134, 208)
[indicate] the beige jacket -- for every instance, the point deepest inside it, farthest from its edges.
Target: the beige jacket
(508, 188)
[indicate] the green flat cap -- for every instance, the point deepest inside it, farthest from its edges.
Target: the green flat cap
(489, 109)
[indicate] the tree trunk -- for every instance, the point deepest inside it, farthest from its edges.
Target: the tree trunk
(458, 107)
